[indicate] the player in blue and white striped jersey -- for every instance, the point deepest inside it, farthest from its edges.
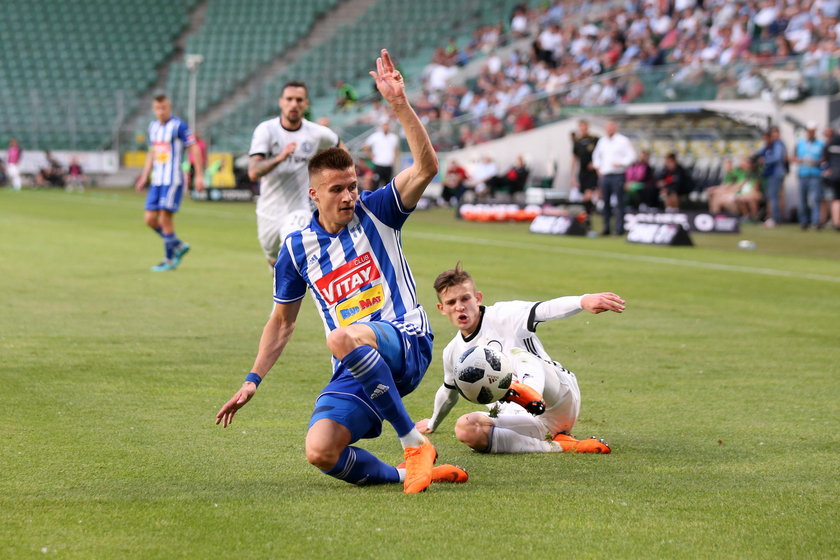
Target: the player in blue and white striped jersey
(168, 137)
(350, 258)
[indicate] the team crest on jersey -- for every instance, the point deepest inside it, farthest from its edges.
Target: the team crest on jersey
(360, 306)
(306, 147)
(347, 278)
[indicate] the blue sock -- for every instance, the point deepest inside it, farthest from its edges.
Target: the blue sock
(159, 231)
(369, 369)
(170, 241)
(357, 466)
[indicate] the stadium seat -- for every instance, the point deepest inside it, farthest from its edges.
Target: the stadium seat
(55, 63)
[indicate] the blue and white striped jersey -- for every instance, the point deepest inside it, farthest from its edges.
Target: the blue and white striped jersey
(358, 274)
(167, 141)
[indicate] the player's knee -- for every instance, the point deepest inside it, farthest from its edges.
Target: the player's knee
(341, 342)
(151, 221)
(323, 457)
(471, 432)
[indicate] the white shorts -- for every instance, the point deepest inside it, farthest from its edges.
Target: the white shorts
(271, 231)
(560, 392)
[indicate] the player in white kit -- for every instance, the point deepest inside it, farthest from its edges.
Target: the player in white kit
(280, 151)
(511, 327)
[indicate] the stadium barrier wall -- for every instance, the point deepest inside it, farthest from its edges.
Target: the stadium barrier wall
(547, 150)
(96, 163)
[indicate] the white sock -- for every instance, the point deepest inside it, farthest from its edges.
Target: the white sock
(503, 440)
(412, 439)
(402, 474)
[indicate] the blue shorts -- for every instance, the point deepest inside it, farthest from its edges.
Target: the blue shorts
(164, 198)
(345, 401)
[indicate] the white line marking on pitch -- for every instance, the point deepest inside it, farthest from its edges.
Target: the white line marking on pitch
(629, 257)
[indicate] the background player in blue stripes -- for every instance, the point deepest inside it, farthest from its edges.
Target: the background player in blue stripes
(168, 136)
(350, 257)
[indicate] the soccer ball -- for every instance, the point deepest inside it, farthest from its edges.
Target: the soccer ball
(483, 374)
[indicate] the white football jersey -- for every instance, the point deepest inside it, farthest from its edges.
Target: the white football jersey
(285, 189)
(504, 325)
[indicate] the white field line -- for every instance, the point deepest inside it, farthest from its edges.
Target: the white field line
(529, 246)
(189, 206)
(627, 257)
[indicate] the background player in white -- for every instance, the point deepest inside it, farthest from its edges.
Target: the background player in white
(383, 148)
(281, 148)
(350, 258)
(168, 136)
(511, 327)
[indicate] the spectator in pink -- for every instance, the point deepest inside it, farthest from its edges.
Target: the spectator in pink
(13, 155)
(202, 151)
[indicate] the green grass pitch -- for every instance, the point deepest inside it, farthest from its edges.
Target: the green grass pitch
(718, 390)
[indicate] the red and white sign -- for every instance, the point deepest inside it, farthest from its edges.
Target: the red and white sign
(347, 278)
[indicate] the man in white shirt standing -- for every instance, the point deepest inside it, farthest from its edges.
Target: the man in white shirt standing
(383, 149)
(611, 157)
(280, 151)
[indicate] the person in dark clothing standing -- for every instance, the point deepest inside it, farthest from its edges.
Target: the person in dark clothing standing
(584, 176)
(831, 176)
(774, 156)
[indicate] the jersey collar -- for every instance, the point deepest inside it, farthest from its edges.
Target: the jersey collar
(280, 118)
(478, 327)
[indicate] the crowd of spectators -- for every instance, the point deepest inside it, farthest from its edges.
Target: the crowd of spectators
(561, 56)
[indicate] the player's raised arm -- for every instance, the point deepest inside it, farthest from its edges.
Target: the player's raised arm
(410, 182)
(276, 334)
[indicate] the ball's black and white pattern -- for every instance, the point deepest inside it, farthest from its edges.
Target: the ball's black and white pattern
(483, 374)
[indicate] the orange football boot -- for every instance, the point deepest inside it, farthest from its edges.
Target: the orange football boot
(446, 473)
(566, 441)
(525, 397)
(591, 445)
(418, 467)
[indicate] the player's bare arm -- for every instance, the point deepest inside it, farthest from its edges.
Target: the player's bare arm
(199, 167)
(144, 175)
(259, 166)
(605, 301)
(276, 334)
(410, 182)
(445, 399)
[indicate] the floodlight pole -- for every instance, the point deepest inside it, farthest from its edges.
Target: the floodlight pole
(193, 61)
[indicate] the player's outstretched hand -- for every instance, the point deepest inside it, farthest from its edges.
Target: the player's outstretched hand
(605, 301)
(423, 426)
(388, 79)
(242, 396)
